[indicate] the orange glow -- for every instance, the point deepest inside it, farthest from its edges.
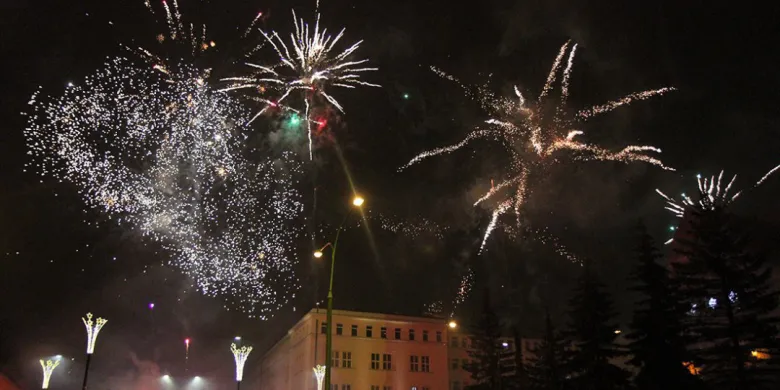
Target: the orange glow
(691, 368)
(760, 355)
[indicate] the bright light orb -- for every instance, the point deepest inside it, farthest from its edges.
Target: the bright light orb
(358, 201)
(318, 254)
(453, 324)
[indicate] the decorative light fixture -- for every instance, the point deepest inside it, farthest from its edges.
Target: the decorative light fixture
(319, 373)
(240, 355)
(93, 329)
(48, 369)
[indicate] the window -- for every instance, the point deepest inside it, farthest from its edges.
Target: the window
(464, 342)
(324, 328)
(339, 329)
(454, 342)
(387, 388)
(346, 387)
(374, 387)
(425, 335)
(414, 363)
(411, 334)
(383, 332)
(455, 364)
(426, 388)
(438, 336)
(426, 364)
(464, 363)
(335, 361)
(455, 385)
(346, 359)
(397, 333)
(354, 330)
(387, 361)
(374, 361)
(369, 331)
(334, 386)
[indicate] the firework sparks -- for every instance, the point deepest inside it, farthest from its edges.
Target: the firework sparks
(713, 194)
(536, 134)
(311, 67)
(163, 155)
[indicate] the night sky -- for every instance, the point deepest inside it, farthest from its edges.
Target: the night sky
(54, 266)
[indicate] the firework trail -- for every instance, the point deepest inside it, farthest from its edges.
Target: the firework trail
(163, 154)
(309, 65)
(713, 194)
(536, 134)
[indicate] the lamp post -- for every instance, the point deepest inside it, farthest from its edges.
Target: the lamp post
(319, 373)
(48, 369)
(240, 355)
(93, 328)
(357, 201)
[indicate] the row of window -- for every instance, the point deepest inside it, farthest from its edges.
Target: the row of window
(382, 332)
(416, 363)
(334, 386)
(462, 363)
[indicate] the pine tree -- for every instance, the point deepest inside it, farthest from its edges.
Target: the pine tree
(488, 358)
(520, 377)
(734, 320)
(546, 370)
(593, 337)
(657, 345)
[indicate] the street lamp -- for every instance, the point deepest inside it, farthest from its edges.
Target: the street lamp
(240, 355)
(319, 373)
(48, 369)
(452, 324)
(93, 328)
(357, 201)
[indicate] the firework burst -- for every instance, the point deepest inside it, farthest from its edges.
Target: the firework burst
(713, 194)
(538, 134)
(309, 65)
(165, 155)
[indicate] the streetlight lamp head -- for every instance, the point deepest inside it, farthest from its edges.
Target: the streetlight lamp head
(358, 201)
(318, 254)
(453, 324)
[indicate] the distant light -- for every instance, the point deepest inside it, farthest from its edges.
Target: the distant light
(318, 254)
(237, 338)
(259, 14)
(713, 303)
(166, 378)
(196, 379)
(505, 344)
(358, 201)
(671, 228)
(618, 331)
(294, 120)
(187, 341)
(406, 96)
(58, 357)
(698, 175)
(453, 324)
(70, 84)
(151, 305)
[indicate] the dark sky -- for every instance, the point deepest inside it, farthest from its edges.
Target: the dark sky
(54, 267)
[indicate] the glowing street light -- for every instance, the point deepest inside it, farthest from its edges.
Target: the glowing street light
(452, 324)
(48, 369)
(319, 373)
(93, 328)
(240, 355)
(357, 201)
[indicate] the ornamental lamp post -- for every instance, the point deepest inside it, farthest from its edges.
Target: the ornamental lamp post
(93, 329)
(48, 369)
(240, 355)
(319, 373)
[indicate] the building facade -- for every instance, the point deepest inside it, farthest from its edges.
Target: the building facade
(373, 351)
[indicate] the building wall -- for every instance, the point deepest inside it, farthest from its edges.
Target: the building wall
(288, 365)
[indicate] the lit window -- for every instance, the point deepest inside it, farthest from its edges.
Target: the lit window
(425, 335)
(346, 359)
(438, 337)
(383, 332)
(374, 361)
(426, 364)
(369, 331)
(354, 330)
(411, 334)
(414, 363)
(339, 329)
(455, 364)
(324, 328)
(454, 342)
(387, 362)
(397, 333)
(335, 361)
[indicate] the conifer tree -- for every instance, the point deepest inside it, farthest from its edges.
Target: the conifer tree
(657, 344)
(592, 334)
(488, 363)
(546, 370)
